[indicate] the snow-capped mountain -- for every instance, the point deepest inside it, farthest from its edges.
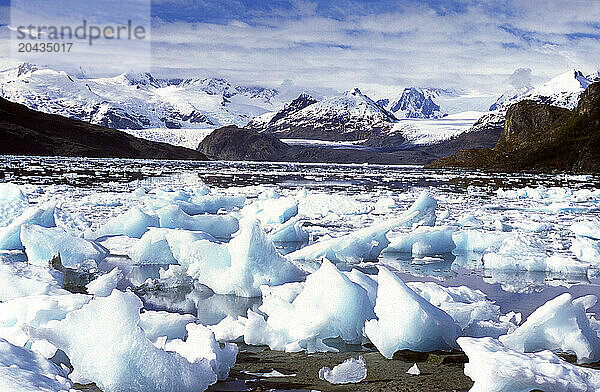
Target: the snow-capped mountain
(415, 102)
(350, 116)
(136, 101)
(563, 91)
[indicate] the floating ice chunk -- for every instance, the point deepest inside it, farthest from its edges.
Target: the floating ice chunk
(133, 223)
(35, 311)
(424, 241)
(219, 226)
(414, 370)
(489, 328)
(330, 305)
(367, 243)
(103, 285)
(12, 203)
(42, 243)
(351, 371)
(495, 368)
(201, 345)
(383, 205)
(477, 241)
(158, 246)
(323, 204)
(20, 279)
(277, 210)
(466, 306)
(586, 249)
(229, 329)
(559, 325)
(528, 253)
(10, 236)
(471, 221)
(240, 267)
(22, 370)
(406, 320)
(588, 228)
(291, 231)
(159, 323)
(105, 345)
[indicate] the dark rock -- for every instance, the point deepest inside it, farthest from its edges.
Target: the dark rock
(542, 138)
(27, 132)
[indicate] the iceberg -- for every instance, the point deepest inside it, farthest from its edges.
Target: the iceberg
(477, 241)
(525, 253)
(351, 371)
(406, 321)
(272, 210)
(35, 311)
(291, 231)
(12, 203)
(42, 243)
(10, 235)
(158, 245)
(201, 345)
(496, 368)
(103, 285)
(194, 204)
(105, 345)
(424, 241)
(588, 228)
(22, 370)
(368, 243)
(560, 324)
(219, 226)
(157, 324)
(133, 223)
(329, 305)
(241, 266)
(586, 249)
(20, 279)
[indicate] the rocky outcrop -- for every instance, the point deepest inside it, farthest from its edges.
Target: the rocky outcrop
(540, 137)
(24, 131)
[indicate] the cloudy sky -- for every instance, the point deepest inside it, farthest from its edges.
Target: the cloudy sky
(378, 45)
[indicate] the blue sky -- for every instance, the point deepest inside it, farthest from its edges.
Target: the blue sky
(379, 46)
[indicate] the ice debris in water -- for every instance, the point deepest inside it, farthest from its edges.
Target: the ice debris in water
(22, 370)
(351, 371)
(133, 223)
(10, 235)
(560, 324)
(42, 243)
(290, 231)
(477, 241)
(528, 253)
(105, 345)
(193, 203)
(496, 368)
(248, 261)
(20, 279)
(103, 285)
(406, 321)
(219, 226)
(367, 243)
(414, 370)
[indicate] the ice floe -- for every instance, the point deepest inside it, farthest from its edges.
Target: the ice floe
(133, 223)
(103, 285)
(351, 371)
(496, 368)
(10, 235)
(220, 226)
(20, 279)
